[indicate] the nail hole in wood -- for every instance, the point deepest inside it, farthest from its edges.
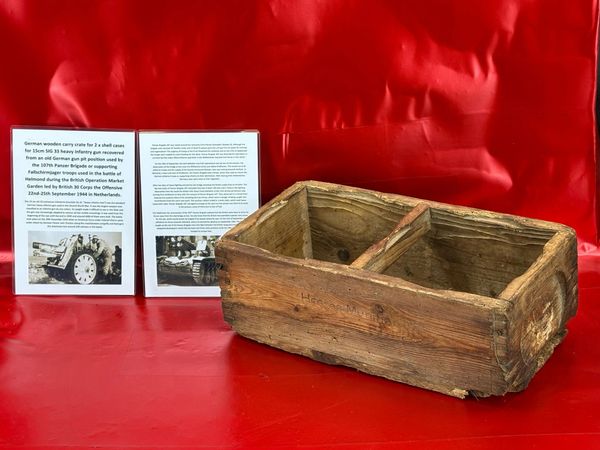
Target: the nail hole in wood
(343, 255)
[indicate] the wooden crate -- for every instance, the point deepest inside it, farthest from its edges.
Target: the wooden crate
(452, 299)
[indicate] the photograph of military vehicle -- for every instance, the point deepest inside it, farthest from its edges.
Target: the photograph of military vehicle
(186, 260)
(76, 259)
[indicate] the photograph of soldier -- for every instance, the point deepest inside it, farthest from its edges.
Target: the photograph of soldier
(102, 252)
(67, 257)
(186, 260)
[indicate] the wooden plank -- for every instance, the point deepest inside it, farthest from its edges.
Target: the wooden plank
(543, 299)
(259, 215)
(283, 227)
(307, 249)
(384, 253)
(486, 218)
(319, 308)
(292, 336)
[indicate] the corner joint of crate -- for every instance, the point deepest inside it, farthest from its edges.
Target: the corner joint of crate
(499, 332)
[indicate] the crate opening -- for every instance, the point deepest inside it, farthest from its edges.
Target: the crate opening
(474, 254)
(328, 226)
(470, 254)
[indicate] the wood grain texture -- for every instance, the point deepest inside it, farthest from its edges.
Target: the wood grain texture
(459, 301)
(318, 308)
(471, 253)
(542, 301)
(384, 253)
(343, 227)
(283, 228)
(307, 247)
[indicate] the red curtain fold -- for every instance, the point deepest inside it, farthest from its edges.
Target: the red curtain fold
(488, 104)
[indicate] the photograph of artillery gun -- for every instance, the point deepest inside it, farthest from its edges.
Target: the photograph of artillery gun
(75, 261)
(186, 260)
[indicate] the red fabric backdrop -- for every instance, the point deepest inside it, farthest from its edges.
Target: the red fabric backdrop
(479, 102)
(482, 103)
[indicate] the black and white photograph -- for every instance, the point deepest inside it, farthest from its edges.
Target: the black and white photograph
(186, 261)
(72, 257)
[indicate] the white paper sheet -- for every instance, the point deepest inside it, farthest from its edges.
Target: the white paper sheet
(73, 211)
(194, 187)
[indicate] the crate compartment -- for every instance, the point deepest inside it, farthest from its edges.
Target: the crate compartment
(469, 254)
(323, 225)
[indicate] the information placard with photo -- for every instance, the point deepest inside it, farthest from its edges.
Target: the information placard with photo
(73, 211)
(194, 187)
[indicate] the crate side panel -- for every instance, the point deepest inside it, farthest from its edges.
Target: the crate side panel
(398, 334)
(541, 307)
(282, 227)
(316, 340)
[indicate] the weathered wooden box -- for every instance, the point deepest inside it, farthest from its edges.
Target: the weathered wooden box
(453, 299)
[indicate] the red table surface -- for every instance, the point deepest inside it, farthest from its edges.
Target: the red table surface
(164, 373)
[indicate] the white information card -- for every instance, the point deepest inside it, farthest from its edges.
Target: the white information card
(194, 187)
(73, 211)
